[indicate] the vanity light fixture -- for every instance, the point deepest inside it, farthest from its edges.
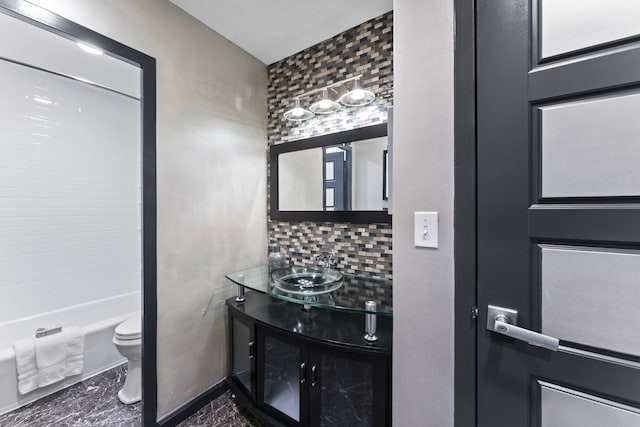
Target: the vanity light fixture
(356, 97)
(325, 105)
(297, 113)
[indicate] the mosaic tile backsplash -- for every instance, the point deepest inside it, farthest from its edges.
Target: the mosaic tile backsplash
(356, 248)
(368, 50)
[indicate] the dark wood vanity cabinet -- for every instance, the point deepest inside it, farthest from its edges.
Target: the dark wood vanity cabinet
(308, 368)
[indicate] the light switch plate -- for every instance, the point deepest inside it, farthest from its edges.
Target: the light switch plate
(426, 229)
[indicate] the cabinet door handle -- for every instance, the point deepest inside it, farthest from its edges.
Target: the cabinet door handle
(313, 376)
(303, 373)
(251, 349)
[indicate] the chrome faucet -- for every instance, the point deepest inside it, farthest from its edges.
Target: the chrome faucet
(327, 261)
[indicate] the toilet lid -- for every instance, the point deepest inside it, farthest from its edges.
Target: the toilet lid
(130, 329)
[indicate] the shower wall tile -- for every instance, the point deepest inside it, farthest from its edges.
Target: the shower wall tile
(368, 50)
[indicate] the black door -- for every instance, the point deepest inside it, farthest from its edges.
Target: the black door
(558, 194)
(337, 178)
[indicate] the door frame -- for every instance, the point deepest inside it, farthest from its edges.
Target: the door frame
(465, 256)
(49, 21)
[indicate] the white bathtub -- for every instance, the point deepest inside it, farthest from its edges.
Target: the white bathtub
(98, 320)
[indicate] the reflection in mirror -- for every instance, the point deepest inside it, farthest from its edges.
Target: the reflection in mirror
(351, 179)
(300, 178)
(367, 178)
(336, 177)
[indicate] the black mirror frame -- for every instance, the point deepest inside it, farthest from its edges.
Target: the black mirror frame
(357, 217)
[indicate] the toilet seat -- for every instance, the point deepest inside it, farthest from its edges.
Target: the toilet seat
(130, 329)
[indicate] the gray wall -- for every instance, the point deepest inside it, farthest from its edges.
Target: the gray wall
(423, 290)
(211, 122)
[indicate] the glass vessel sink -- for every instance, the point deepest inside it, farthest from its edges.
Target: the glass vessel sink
(350, 294)
(307, 280)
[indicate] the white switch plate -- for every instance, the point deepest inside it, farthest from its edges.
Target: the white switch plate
(426, 229)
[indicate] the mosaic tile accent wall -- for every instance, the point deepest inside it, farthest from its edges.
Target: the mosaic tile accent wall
(364, 248)
(368, 50)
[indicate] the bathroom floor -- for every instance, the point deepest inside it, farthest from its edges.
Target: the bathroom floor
(94, 402)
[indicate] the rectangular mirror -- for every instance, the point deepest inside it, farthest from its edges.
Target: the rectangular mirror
(338, 177)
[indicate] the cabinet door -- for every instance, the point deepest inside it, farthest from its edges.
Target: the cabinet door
(348, 389)
(282, 376)
(243, 355)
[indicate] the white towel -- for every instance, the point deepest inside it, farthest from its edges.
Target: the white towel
(75, 351)
(51, 356)
(26, 365)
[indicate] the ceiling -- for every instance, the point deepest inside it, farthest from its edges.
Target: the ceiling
(275, 29)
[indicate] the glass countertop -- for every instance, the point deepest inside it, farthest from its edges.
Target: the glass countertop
(351, 296)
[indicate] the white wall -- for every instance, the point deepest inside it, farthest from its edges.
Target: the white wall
(211, 159)
(300, 180)
(423, 290)
(366, 172)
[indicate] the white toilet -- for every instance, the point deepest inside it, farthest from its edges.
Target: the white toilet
(128, 341)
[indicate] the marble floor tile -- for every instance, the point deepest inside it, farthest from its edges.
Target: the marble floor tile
(94, 403)
(223, 411)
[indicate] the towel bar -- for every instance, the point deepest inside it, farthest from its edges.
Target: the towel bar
(43, 332)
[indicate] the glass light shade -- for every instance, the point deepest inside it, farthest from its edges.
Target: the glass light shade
(357, 96)
(297, 113)
(325, 105)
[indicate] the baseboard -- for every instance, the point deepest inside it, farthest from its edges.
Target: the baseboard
(194, 405)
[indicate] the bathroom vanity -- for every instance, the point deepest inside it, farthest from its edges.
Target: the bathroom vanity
(298, 359)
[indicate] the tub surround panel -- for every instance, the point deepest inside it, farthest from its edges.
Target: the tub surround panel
(70, 194)
(211, 178)
(365, 49)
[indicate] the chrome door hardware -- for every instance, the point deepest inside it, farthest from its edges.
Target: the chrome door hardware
(313, 376)
(303, 372)
(503, 321)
